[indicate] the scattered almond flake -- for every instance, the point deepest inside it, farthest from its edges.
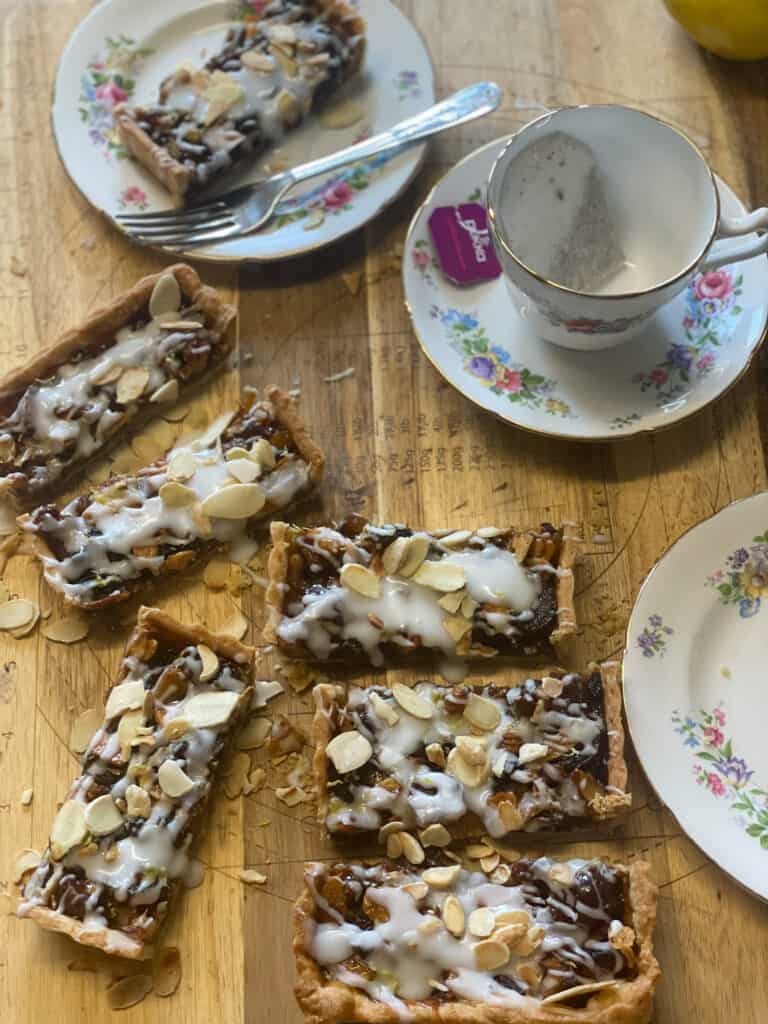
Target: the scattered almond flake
(210, 662)
(251, 877)
(435, 835)
(147, 449)
(390, 827)
(476, 851)
(102, 815)
(482, 713)
(254, 734)
(68, 828)
(131, 384)
(551, 686)
(394, 554)
(352, 281)
(394, 846)
(23, 631)
(237, 626)
(435, 754)
(383, 710)
(26, 797)
(341, 375)
(26, 861)
(562, 874)
(287, 736)
(244, 470)
(265, 690)
(443, 877)
(481, 922)
(208, 709)
(412, 702)
(576, 991)
(349, 751)
(17, 614)
(360, 579)
(216, 573)
(237, 774)
(490, 954)
(166, 296)
(178, 413)
(292, 795)
(453, 916)
(456, 627)
(68, 630)
(442, 576)
(181, 325)
(167, 392)
(83, 728)
(173, 780)
(412, 849)
(451, 602)
(418, 547)
(469, 774)
(489, 863)
(532, 752)
(166, 972)
(255, 781)
(128, 991)
(237, 501)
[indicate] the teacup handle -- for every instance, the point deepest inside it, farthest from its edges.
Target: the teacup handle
(734, 227)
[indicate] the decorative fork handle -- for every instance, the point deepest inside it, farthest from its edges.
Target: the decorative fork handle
(464, 105)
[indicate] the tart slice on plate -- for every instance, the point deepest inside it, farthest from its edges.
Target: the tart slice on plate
(262, 83)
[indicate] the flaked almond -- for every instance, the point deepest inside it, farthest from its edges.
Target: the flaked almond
(175, 729)
(470, 775)
(173, 780)
(482, 922)
(452, 602)
(453, 916)
(263, 453)
(181, 325)
(176, 495)
(532, 752)
(502, 874)
(238, 501)
(165, 297)
(530, 941)
(394, 554)
(167, 392)
(292, 795)
(440, 575)
(68, 630)
(418, 548)
(510, 934)
(435, 754)
(490, 955)
(418, 890)
(384, 710)
(244, 470)
(216, 574)
(429, 926)
(236, 626)
(389, 828)
(412, 850)
(256, 61)
(552, 686)
(102, 815)
(394, 846)
(468, 607)
(349, 751)
(128, 991)
(27, 860)
(435, 835)
(222, 93)
(443, 877)
(254, 734)
(577, 991)
(182, 466)
(505, 917)
(68, 829)
(137, 802)
(511, 818)
(255, 781)
(83, 729)
(124, 697)
(131, 384)
(456, 626)
(166, 972)
(108, 373)
(26, 797)
(17, 614)
(456, 539)
(206, 710)
(284, 59)
(361, 580)
(235, 453)
(263, 691)
(412, 702)
(238, 769)
(477, 850)
(482, 713)
(210, 663)
(252, 877)
(473, 749)
(490, 863)
(562, 874)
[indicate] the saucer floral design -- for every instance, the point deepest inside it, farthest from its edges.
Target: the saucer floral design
(653, 639)
(492, 364)
(407, 85)
(711, 306)
(743, 580)
(106, 82)
(722, 773)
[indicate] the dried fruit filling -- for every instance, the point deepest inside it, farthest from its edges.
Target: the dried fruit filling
(358, 588)
(435, 937)
(120, 842)
(529, 757)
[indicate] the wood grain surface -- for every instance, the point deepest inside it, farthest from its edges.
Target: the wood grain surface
(401, 444)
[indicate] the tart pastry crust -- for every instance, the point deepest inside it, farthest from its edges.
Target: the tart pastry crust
(327, 1001)
(22, 481)
(598, 801)
(113, 923)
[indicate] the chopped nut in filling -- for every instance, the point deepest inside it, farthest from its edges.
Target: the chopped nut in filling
(206, 493)
(119, 845)
(556, 932)
(357, 589)
(528, 757)
(76, 403)
(263, 81)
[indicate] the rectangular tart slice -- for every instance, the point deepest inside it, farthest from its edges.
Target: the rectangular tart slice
(120, 843)
(546, 754)
(125, 360)
(268, 75)
(207, 493)
(556, 942)
(356, 590)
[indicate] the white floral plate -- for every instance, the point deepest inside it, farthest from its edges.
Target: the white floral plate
(124, 48)
(691, 352)
(694, 688)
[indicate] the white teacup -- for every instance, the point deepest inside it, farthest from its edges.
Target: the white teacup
(602, 214)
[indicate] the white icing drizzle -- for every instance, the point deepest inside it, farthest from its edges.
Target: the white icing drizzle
(412, 948)
(135, 869)
(426, 793)
(407, 613)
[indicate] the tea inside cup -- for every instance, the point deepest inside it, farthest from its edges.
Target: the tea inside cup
(604, 200)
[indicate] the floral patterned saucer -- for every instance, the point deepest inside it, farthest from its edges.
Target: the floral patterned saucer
(694, 688)
(692, 351)
(124, 48)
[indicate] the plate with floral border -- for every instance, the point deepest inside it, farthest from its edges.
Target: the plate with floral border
(692, 351)
(124, 48)
(696, 646)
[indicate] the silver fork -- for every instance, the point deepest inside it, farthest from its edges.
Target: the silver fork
(249, 208)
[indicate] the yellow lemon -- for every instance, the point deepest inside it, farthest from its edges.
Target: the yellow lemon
(735, 29)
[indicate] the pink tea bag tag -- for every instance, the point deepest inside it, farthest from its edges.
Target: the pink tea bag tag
(463, 243)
